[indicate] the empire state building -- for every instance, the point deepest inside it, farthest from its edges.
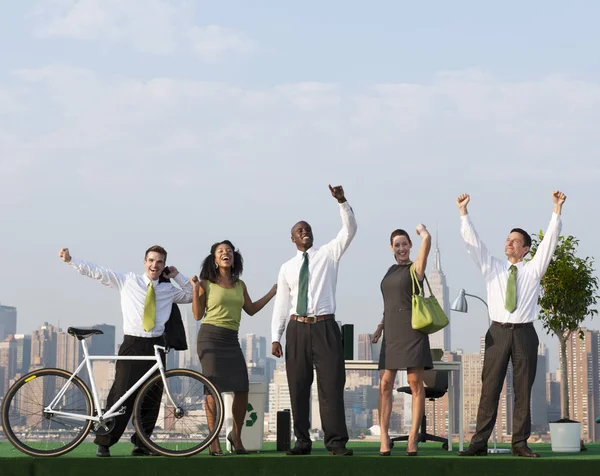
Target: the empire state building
(439, 288)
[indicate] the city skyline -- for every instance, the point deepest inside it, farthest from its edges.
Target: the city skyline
(224, 101)
(50, 346)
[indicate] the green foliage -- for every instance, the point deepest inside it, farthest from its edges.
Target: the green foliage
(569, 288)
(567, 297)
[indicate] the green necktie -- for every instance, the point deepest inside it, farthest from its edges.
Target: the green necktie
(511, 289)
(302, 306)
(149, 318)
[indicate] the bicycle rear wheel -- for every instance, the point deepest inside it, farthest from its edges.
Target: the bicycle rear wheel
(36, 432)
(181, 429)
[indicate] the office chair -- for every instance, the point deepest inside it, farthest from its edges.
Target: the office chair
(436, 386)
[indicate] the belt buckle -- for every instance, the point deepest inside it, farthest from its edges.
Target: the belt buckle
(310, 319)
(511, 326)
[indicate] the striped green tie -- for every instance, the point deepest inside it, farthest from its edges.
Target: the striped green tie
(511, 289)
(302, 305)
(149, 319)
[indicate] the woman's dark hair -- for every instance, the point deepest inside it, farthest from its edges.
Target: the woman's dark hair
(399, 232)
(209, 270)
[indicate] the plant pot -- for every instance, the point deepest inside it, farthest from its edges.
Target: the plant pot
(566, 437)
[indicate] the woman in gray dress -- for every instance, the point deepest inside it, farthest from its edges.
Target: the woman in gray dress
(403, 348)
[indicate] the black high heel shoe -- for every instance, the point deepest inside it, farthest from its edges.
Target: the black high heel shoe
(389, 452)
(411, 453)
(234, 449)
(217, 453)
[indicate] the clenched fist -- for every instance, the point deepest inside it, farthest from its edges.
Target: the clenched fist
(558, 197)
(462, 201)
(65, 255)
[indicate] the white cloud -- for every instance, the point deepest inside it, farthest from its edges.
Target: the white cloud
(159, 27)
(106, 164)
(462, 121)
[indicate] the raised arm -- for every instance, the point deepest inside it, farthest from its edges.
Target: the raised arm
(281, 309)
(252, 308)
(421, 261)
(475, 247)
(198, 298)
(185, 294)
(104, 275)
(340, 243)
(547, 246)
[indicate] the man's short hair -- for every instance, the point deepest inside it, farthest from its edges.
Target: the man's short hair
(524, 234)
(156, 249)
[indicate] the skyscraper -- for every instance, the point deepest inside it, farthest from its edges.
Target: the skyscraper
(365, 352)
(68, 351)
(539, 399)
(43, 346)
(8, 362)
(103, 344)
(583, 366)
(439, 288)
(8, 321)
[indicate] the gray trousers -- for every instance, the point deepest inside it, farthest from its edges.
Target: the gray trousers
(520, 345)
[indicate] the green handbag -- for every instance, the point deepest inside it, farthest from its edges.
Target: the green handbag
(427, 314)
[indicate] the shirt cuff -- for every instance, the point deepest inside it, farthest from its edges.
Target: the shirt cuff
(180, 279)
(74, 262)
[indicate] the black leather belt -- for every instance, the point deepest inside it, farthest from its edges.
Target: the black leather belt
(510, 325)
(312, 319)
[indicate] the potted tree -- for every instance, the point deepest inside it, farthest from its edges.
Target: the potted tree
(567, 297)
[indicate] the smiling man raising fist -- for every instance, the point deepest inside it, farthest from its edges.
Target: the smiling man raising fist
(305, 301)
(146, 304)
(513, 287)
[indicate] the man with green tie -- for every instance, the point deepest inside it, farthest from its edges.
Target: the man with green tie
(146, 303)
(513, 287)
(305, 301)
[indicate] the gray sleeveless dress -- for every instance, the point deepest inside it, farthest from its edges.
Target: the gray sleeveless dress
(402, 346)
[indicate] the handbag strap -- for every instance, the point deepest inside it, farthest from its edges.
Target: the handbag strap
(413, 276)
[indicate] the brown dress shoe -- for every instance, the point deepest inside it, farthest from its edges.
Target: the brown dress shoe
(524, 451)
(474, 451)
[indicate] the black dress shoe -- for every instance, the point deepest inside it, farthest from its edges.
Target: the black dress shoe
(385, 453)
(102, 451)
(524, 451)
(341, 451)
(142, 451)
(296, 451)
(473, 451)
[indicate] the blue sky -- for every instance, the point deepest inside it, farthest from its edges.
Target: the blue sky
(230, 118)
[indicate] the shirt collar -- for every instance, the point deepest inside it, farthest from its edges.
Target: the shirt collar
(147, 280)
(310, 251)
(519, 265)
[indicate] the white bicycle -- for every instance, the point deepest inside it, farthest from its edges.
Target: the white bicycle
(49, 412)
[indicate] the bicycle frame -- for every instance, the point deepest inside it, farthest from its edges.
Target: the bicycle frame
(113, 411)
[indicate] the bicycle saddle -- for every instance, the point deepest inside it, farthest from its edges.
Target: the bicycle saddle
(83, 333)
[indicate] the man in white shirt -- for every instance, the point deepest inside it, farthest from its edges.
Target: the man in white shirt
(306, 298)
(513, 287)
(146, 304)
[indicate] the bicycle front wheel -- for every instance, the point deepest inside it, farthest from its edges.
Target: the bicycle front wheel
(182, 418)
(37, 432)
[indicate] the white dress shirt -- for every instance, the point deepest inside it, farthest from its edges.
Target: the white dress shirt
(495, 273)
(133, 288)
(323, 265)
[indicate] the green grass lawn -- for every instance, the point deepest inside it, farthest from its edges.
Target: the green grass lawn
(361, 448)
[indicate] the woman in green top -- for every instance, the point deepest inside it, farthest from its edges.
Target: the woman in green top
(219, 297)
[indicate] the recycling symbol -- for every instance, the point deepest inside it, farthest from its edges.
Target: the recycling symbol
(252, 417)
